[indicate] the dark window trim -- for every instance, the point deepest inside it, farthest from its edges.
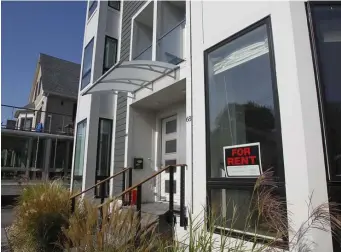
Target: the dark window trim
(224, 183)
(97, 153)
(105, 41)
(85, 74)
(330, 171)
(119, 5)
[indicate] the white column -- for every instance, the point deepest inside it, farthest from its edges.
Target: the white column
(46, 161)
(29, 156)
(305, 172)
(67, 157)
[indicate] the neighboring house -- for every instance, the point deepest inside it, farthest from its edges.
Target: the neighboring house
(54, 90)
(37, 142)
(189, 82)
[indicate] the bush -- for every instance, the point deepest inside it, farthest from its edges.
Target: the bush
(118, 230)
(40, 213)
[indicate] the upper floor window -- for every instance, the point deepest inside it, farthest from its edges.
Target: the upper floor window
(92, 7)
(110, 53)
(115, 4)
(87, 63)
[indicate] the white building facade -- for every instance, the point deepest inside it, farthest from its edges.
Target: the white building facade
(180, 82)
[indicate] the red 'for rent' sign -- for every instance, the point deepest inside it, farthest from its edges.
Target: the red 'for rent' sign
(242, 160)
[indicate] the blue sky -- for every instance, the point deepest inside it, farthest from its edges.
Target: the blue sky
(28, 28)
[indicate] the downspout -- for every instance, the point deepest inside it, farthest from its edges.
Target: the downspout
(190, 51)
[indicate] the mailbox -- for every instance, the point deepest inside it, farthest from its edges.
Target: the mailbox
(138, 163)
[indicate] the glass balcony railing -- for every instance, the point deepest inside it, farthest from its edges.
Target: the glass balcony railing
(170, 46)
(146, 54)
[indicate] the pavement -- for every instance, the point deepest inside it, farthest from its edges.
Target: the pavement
(7, 216)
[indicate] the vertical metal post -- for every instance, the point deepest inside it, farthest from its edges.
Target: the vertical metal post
(171, 195)
(63, 125)
(73, 204)
(130, 182)
(102, 193)
(138, 208)
(182, 197)
(139, 201)
(102, 188)
(123, 186)
(25, 122)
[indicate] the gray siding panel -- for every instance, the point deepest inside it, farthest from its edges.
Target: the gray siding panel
(129, 10)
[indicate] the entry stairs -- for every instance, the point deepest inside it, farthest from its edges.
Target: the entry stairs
(163, 214)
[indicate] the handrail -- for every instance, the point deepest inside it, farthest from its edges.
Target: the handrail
(34, 110)
(149, 178)
(143, 51)
(99, 183)
(140, 183)
(172, 29)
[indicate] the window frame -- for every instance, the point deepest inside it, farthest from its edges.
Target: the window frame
(85, 74)
(104, 70)
(233, 183)
(319, 77)
(92, 9)
(119, 5)
(102, 177)
(78, 177)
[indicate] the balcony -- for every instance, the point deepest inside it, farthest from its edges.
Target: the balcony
(170, 34)
(38, 121)
(170, 46)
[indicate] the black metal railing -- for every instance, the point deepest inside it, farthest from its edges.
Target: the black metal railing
(170, 46)
(145, 54)
(171, 216)
(102, 188)
(28, 119)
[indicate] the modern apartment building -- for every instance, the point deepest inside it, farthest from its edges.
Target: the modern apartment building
(231, 89)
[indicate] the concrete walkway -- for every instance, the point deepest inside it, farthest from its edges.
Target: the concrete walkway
(6, 220)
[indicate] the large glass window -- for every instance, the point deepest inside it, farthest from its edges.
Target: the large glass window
(103, 154)
(110, 53)
(242, 108)
(87, 63)
(92, 7)
(104, 147)
(327, 35)
(79, 155)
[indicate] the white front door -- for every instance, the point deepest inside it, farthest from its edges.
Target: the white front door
(170, 143)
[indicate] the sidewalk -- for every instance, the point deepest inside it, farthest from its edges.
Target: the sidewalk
(6, 220)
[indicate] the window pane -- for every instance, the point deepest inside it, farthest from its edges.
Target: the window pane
(114, 4)
(171, 126)
(110, 53)
(79, 154)
(171, 146)
(92, 7)
(241, 102)
(104, 147)
(327, 21)
(237, 209)
(87, 62)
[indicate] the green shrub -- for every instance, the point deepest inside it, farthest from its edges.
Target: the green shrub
(40, 213)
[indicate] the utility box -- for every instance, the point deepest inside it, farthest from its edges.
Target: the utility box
(138, 163)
